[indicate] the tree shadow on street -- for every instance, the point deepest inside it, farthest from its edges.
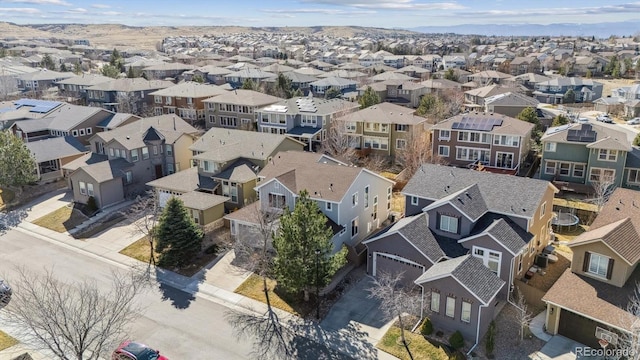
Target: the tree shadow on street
(349, 342)
(11, 219)
(180, 299)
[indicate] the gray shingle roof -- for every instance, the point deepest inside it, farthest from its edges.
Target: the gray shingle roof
(507, 235)
(468, 271)
(416, 230)
(184, 181)
(190, 89)
(616, 139)
(55, 148)
(505, 194)
(116, 120)
(170, 126)
(468, 200)
(385, 113)
(511, 126)
(69, 116)
(201, 201)
(32, 125)
(128, 85)
(244, 97)
(240, 171)
(107, 170)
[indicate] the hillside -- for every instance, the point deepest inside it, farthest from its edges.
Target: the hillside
(110, 35)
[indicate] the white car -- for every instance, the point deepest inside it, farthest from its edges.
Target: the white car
(634, 121)
(582, 120)
(604, 118)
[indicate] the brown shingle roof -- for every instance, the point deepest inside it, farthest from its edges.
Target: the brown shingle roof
(385, 113)
(620, 236)
(509, 125)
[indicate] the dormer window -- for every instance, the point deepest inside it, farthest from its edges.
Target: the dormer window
(598, 265)
(449, 224)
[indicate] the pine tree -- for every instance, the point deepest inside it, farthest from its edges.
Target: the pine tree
(302, 233)
(130, 73)
(63, 68)
(17, 164)
(77, 68)
(369, 98)
(48, 63)
(332, 93)
(560, 120)
(179, 238)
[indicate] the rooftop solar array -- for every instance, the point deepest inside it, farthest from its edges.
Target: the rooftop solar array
(306, 105)
(476, 123)
(38, 106)
(584, 134)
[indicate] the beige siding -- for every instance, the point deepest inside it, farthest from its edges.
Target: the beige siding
(621, 269)
(212, 214)
(181, 152)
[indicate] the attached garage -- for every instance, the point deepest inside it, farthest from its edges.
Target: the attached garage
(165, 195)
(584, 330)
(393, 264)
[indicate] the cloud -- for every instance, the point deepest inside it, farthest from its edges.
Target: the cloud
(318, 11)
(390, 5)
(20, 10)
(38, 2)
(101, 6)
(568, 11)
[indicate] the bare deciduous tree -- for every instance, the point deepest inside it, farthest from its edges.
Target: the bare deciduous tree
(396, 301)
(146, 210)
(417, 151)
(339, 143)
(602, 189)
(77, 321)
(523, 316)
(628, 343)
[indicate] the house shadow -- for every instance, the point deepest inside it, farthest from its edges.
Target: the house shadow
(11, 219)
(350, 342)
(176, 288)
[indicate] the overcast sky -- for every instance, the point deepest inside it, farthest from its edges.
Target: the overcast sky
(377, 13)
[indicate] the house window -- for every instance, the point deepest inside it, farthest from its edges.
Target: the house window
(74, 133)
(550, 147)
(550, 167)
(607, 155)
(598, 264)
(543, 209)
(169, 150)
(634, 177)
(117, 152)
(134, 155)
(564, 169)
(448, 223)
(490, 259)
(157, 99)
(465, 315)
(350, 126)
(401, 144)
(389, 198)
(170, 168)
(89, 131)
(578, 170)
(506, 140)
(328, 206)
(599, 174)
(111, 153)
(354, 199)
(89, 189)
(444, 135)
(81, 131)
(167, 100)
(83, 188)
(414, 200)
(277, 201)
(443, 151)
(366, 197)
(402, 127)
(155, 149)
(435, 301)
(145, 153)
(212, 119)
(128, 177)
(354, 227)
(451, 307)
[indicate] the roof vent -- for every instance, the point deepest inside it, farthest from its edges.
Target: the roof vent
(469, 196)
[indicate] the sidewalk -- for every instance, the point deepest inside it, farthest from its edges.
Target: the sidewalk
(17, 350)
(216, 282)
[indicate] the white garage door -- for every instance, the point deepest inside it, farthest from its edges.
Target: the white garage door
(164, 196)
(385, 262)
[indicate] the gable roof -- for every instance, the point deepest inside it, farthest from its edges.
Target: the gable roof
(116, 120)
(244, 97)
(106, 170)
(132, 135)
(511, 236)
(470, 273)
(509, 125)
(620, 236)
(69, 116)
(184, 181)
(201, 201)
(190, 89)
(129, 85)
(468, 201)
(55, 148)
(385, 113)
(504, 194)
(511, 99)
(606, 137)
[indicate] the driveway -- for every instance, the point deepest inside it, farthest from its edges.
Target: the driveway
(559, 348)
(48, 203)
(356, 307)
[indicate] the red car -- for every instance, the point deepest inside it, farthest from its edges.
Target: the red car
(130, 350)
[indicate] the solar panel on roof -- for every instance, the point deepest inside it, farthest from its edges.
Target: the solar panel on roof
(39, 106)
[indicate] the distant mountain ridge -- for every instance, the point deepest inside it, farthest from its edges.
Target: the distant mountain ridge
(599, 30)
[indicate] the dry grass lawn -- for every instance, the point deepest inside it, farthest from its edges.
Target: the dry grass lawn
(61, 220)
(397, 203)
(421, 349)
(552, 272)
(252, 288)
(6, 341)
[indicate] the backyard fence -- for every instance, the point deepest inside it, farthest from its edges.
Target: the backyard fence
(532, 296)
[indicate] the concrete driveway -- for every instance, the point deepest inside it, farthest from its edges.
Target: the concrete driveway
(48, 203)
(558, 348)
(355, 306)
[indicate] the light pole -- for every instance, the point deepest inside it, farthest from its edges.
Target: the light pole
(317, 284)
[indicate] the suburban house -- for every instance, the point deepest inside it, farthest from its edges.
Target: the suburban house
(355, 200)
(498, 142)
(236, 109)
(124, 159)
(466, 236)
(39, 81)
(52, 154)
(125, 95)
(172, 70)
(587, 65)
(589, 301)
(320, 87)
(303, 118)
(510, 104)
(528, 80)
(185, 99)
(575, 156)
(236, 79)
(405, 93)
(524, 64)
(75, 88)
(383, 129)
(553, 91)
(225, 162)
(488, 77)
(474, 99)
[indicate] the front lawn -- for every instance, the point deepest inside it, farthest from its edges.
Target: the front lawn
(421, 348)
(253, 288)
(141, 250)
(61, 220)
(6, 341)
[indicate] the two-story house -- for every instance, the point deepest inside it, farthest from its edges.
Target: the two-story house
(39, 81)
(125, 95)
(500, 143)
(124, 159)
(236, 109)
(320, 87)
(166, 70)
(524, 64)
(355, 200)
(225, 163)
(510, 104)
(589, 302)
(75, 88)
(457, 219)
(576, 156)
(553, 91)
(385, 129)
(474, 99)
(185, 99)
(236, 79)
(303, 118)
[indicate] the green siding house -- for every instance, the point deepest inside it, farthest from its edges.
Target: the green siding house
(575, 156)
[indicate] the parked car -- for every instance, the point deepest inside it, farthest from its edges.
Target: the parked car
(5, 293)
(634, 121)
(604, 118)
(582, 120)
(131, 350)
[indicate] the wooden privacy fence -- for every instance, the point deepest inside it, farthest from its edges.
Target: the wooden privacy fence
(532, 296)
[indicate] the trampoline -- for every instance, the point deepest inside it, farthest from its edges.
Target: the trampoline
(563, 221)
